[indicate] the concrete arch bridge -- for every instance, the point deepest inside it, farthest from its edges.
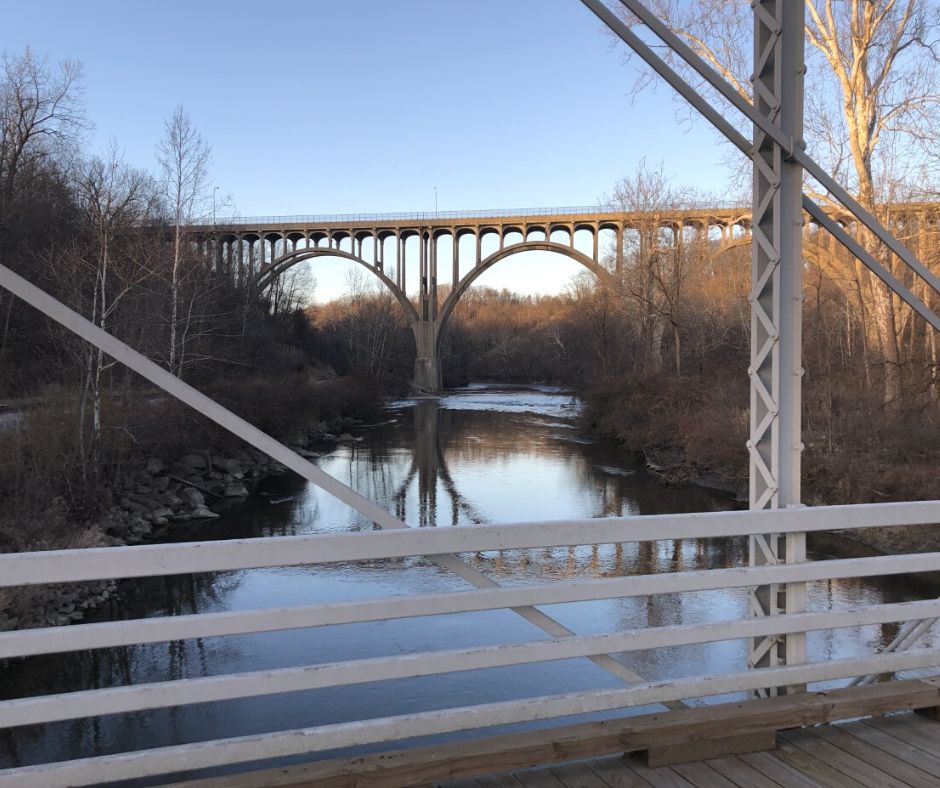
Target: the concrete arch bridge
(259, 250)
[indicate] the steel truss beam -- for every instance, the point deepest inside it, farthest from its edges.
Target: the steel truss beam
(727, 130)
(779, 158)
(212, 410)
(776, 299)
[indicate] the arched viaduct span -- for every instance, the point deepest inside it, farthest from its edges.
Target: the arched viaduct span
(258, 250)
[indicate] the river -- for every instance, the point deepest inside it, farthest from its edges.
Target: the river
(477, 455)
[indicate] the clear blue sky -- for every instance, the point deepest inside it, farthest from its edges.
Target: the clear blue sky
(367, 105)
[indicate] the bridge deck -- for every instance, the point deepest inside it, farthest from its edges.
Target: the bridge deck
(899, 750)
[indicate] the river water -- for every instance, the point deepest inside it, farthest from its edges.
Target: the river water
(477, 455)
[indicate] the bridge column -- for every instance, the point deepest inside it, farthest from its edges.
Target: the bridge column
(618, 254)
(424, 283)
(776, 309)
(432, 284)
(427, 374)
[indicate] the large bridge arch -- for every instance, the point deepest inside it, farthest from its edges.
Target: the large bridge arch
(465, 282)
(287, 261)
(428, 317)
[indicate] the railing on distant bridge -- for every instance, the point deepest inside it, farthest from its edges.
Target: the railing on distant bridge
(432, 216)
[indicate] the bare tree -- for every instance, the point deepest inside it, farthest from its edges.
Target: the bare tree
(104, 268)
(654, 268)
(873, 100)
(40, 113)
(184, 163)
(40, 108)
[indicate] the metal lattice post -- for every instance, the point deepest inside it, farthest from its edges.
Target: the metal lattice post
(776, 309)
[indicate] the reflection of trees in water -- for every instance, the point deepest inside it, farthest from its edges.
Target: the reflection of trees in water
(122, 665)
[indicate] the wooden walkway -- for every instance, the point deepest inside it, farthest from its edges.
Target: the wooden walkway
(881, 752)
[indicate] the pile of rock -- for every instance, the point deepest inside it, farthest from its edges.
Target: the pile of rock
(55, 606)
(161, 495)
(154, 498)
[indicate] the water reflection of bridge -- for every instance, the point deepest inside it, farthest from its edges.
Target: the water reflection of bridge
(441, 438)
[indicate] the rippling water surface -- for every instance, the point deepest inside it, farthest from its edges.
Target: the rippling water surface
(478, 455)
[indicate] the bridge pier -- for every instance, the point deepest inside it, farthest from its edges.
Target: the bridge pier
(427, 372)
(427, 375)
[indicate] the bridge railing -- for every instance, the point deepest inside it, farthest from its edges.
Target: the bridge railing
(429, 217)
(161, 560)
(432, 216)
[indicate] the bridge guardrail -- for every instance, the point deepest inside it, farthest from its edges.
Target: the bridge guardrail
(150, 560)
(431, 216)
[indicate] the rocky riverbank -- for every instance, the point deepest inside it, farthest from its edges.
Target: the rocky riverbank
(154, 498)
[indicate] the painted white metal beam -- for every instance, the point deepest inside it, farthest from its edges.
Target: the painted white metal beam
(791, 144)
(225, 752)
(236, 425)
(183, 692)
(744, 145)
(151, 630)
(60, 566)
(775, 445)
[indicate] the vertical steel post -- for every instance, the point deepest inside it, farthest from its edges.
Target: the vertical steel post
(776, 315)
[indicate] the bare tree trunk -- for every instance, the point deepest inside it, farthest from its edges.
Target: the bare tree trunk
(174, 294)
(931, 341)
(657, 331)
(6, 331)
(885, 324)
(678, 343)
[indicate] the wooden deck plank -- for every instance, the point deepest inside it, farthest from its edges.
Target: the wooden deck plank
(740, 773)
(495, 781)
(770, 766)
(419, 766)
(881, 759)
(658, 776)
(616, 773)
(854, 754)
(812, 767)
(538, 778)
(578, 775)
(702, 775)
(891, 744)
(915, 730)
(857, 770)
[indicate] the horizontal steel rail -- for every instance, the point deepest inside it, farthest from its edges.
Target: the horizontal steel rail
(184, 692)
(224, 752)
(58, 566)
(153, 630)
